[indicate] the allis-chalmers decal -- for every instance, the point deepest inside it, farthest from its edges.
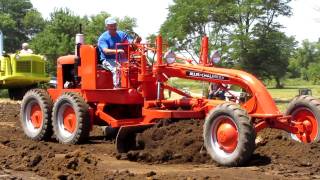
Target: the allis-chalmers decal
(206, 75)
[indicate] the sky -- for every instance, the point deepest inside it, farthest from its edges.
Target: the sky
(150, 14)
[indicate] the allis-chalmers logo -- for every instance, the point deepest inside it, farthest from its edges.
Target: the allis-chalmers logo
(205, 75)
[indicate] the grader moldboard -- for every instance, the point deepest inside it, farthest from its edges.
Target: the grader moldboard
(229, 132)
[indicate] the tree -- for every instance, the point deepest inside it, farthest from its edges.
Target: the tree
(33, 22)
(307, 54)
(230, 25)
(18, 22)
(313, 72)
(57, 37)
(189, 20)
(268, 55)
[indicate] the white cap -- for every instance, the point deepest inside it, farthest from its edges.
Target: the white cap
(110, 20)
(25, 45)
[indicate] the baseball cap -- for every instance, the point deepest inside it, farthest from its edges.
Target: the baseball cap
(110, 20)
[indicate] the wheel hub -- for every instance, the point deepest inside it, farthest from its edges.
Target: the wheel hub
(69, 120)
(309, 122)
(307, 126)
(227, 136)
(36, 116)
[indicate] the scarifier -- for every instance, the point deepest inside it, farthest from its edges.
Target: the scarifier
(85, 96)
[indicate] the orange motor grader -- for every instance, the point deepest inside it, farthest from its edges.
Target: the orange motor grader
(85, 96)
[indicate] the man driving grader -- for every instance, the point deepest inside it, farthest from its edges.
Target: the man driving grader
(107, 47)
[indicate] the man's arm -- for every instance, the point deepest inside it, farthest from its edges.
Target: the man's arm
(103, 45)
(112, 51)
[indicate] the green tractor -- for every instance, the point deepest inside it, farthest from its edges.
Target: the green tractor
(21, 72)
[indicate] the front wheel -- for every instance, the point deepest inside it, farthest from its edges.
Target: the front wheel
(35, 114)
(229, 136)
(306, 110)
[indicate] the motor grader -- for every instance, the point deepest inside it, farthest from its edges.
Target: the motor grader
(85, 96)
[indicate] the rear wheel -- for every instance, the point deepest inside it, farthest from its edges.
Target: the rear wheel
(229, 136)
(70, 119)
(306, 110)
(35, 114)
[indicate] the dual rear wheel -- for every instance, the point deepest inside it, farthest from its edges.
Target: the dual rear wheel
(67, 118)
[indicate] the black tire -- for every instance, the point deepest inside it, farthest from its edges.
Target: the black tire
(30, 101)
(81, 130)
(310, 106)
(240, 120)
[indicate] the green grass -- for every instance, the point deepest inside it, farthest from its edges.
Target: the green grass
(3, 93)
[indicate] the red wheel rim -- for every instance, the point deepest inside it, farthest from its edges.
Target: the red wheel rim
(307, 118)
(69, 119)
(226, 134)
(36, 116)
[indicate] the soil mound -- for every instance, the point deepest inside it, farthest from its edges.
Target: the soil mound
(182, 142)
(176, 142)
(45, 162)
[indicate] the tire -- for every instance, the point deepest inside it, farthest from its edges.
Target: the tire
(223, 148)
(70, 119)
(305, 109)
(35, 114)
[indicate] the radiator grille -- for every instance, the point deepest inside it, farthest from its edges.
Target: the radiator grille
(23, 67)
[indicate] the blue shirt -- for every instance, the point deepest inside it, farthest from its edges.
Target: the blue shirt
(108, 41)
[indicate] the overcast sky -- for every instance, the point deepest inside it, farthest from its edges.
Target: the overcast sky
(150, 14)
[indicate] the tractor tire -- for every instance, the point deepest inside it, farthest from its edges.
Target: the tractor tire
(305, 109)
(35, 114)
(229, 136)
(70, 119)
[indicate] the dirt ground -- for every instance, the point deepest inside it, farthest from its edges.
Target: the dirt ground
(172, 150)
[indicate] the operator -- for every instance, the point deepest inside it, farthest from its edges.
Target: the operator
(107, 47)
(25, 49)
(215, 91)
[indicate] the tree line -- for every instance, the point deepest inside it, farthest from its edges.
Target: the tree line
(244, 31)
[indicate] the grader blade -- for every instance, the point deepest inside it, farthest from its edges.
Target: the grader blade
(126, 138)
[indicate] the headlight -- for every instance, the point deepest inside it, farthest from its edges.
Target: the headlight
(170, 56)
(17, 57)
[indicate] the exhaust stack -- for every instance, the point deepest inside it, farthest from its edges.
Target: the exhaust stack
(1, 43)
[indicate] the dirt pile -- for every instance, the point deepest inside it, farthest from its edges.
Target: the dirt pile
(181, 142)
(176, 142)
(287, 155)
(49, 162)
